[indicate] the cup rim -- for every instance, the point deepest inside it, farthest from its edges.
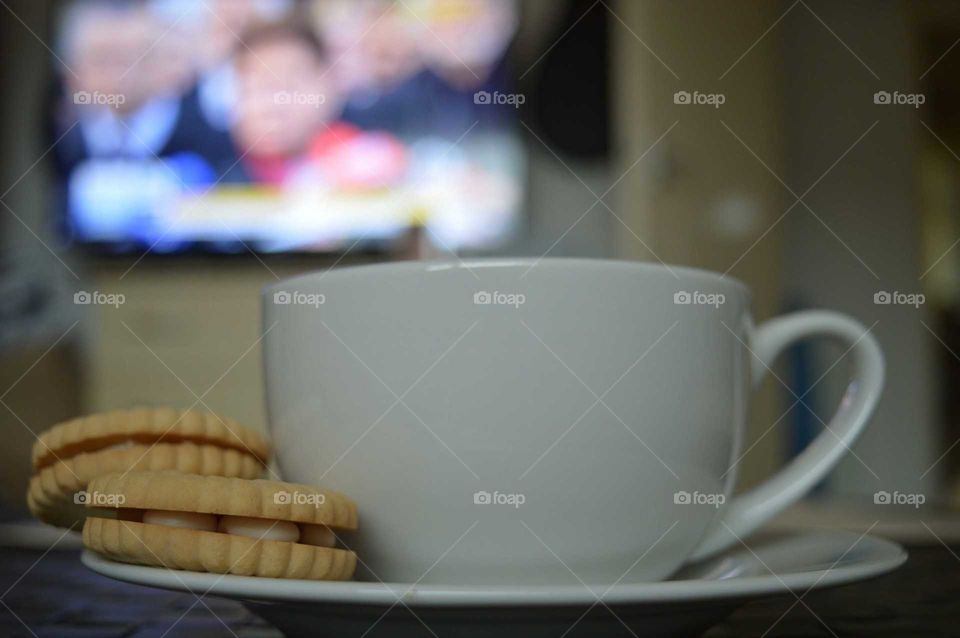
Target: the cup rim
(688, 272)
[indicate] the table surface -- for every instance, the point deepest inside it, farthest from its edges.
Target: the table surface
(54, 595)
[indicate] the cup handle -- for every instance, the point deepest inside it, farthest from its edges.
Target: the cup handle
(747, 512)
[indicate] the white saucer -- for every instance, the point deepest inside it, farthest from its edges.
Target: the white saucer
(697, 597)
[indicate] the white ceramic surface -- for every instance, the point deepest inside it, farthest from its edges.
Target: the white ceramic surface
(588, 400)
(698, 597)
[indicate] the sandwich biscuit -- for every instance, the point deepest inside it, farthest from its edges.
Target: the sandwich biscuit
(220, 525)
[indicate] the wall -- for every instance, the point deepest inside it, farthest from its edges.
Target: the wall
(868, 236)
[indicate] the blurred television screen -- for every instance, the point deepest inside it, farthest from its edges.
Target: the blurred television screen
(286, 125)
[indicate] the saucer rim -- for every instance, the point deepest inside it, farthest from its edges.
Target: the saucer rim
(879, 556)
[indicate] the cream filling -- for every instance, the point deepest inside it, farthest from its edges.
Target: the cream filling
(319, 535)
(259, 528)
(186, 520)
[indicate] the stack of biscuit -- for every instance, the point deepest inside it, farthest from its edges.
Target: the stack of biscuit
(180, 489)
(71, 454)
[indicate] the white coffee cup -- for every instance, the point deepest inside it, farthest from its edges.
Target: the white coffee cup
(517, 422)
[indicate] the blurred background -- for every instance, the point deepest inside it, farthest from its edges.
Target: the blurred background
(164, 160)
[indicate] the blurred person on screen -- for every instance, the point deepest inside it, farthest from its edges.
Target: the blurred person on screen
(464, 50)
(466, 39)
(378, 64)
(287, 125)
(127, 143)
(125, 73)
(115, 87)
(415, 68)
(223, 23)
